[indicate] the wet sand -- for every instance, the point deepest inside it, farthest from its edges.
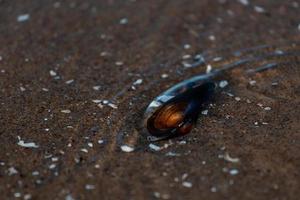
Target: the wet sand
(76, 77)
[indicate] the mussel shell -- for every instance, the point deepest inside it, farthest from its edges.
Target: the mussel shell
(193, 92)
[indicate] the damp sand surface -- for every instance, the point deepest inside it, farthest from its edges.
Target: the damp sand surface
(76, 78)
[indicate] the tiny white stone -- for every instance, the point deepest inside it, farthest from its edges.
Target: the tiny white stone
(69, 197)
(12, 171)
(138, 82)
(187, 184)
(114, 106)
(27, 196)
(212, 38)
(52, 73)
(208, 69)
(105, 102)
(97, 101)
(267, 108)
(84, 150)
(52, 166)
(186, 46)
(22, 89)
(154, 147)
(187, 56)
(213, 189)
(204, 112)
(237, 98)
(252, 82)
(54, 159)
(216, 59)
(223, 84)
(123, 21)
(156, 194)
(184, 176)
(89, 187)
(228, 158)
(96, 87)
(66, 111)
(35, 173)
(100, 141)
(244, 2)
(233, 172)
(90, 144)
(17, 194)
(127, 148)
(45, 89)
(259, 9)
(186, 65)
(23, 17)
(104, 53)
(119, 63)
(164, 76)
(70, 81)
(26, 145)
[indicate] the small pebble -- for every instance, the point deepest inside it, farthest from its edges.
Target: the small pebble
(123, 21)
(164, 76)
(204, 112)
(23, 17)
(213, 189)
(69, 81)
(138, 82)
(84, 150)
(17, 194)
(100, 141)
(127, 149)
(233, 172)
(154, 147)
(52, 73)
(66, 111)
(187, 184)
(208, 69)
(244, 2)
(89, 187)
(27, 196)
(186, 46)
(223, 84)
(96, 87)
(252, 82)
(237, 98)
(267, 108)
(259, 9)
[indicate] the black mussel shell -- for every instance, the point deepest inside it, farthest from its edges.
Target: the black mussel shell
(175, 111)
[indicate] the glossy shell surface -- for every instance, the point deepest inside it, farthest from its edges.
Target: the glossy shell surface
(174, 112)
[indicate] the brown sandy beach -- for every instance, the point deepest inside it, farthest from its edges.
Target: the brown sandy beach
(76, 77)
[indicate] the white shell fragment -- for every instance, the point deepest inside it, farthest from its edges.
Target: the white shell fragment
(127, 148)
(26, 144)
(138, 82)
(233, 172)
(66, 111)
(228, 158)
(187, 184)
(154, 147)
(23, 18)
(223, 84)
(52, 73)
